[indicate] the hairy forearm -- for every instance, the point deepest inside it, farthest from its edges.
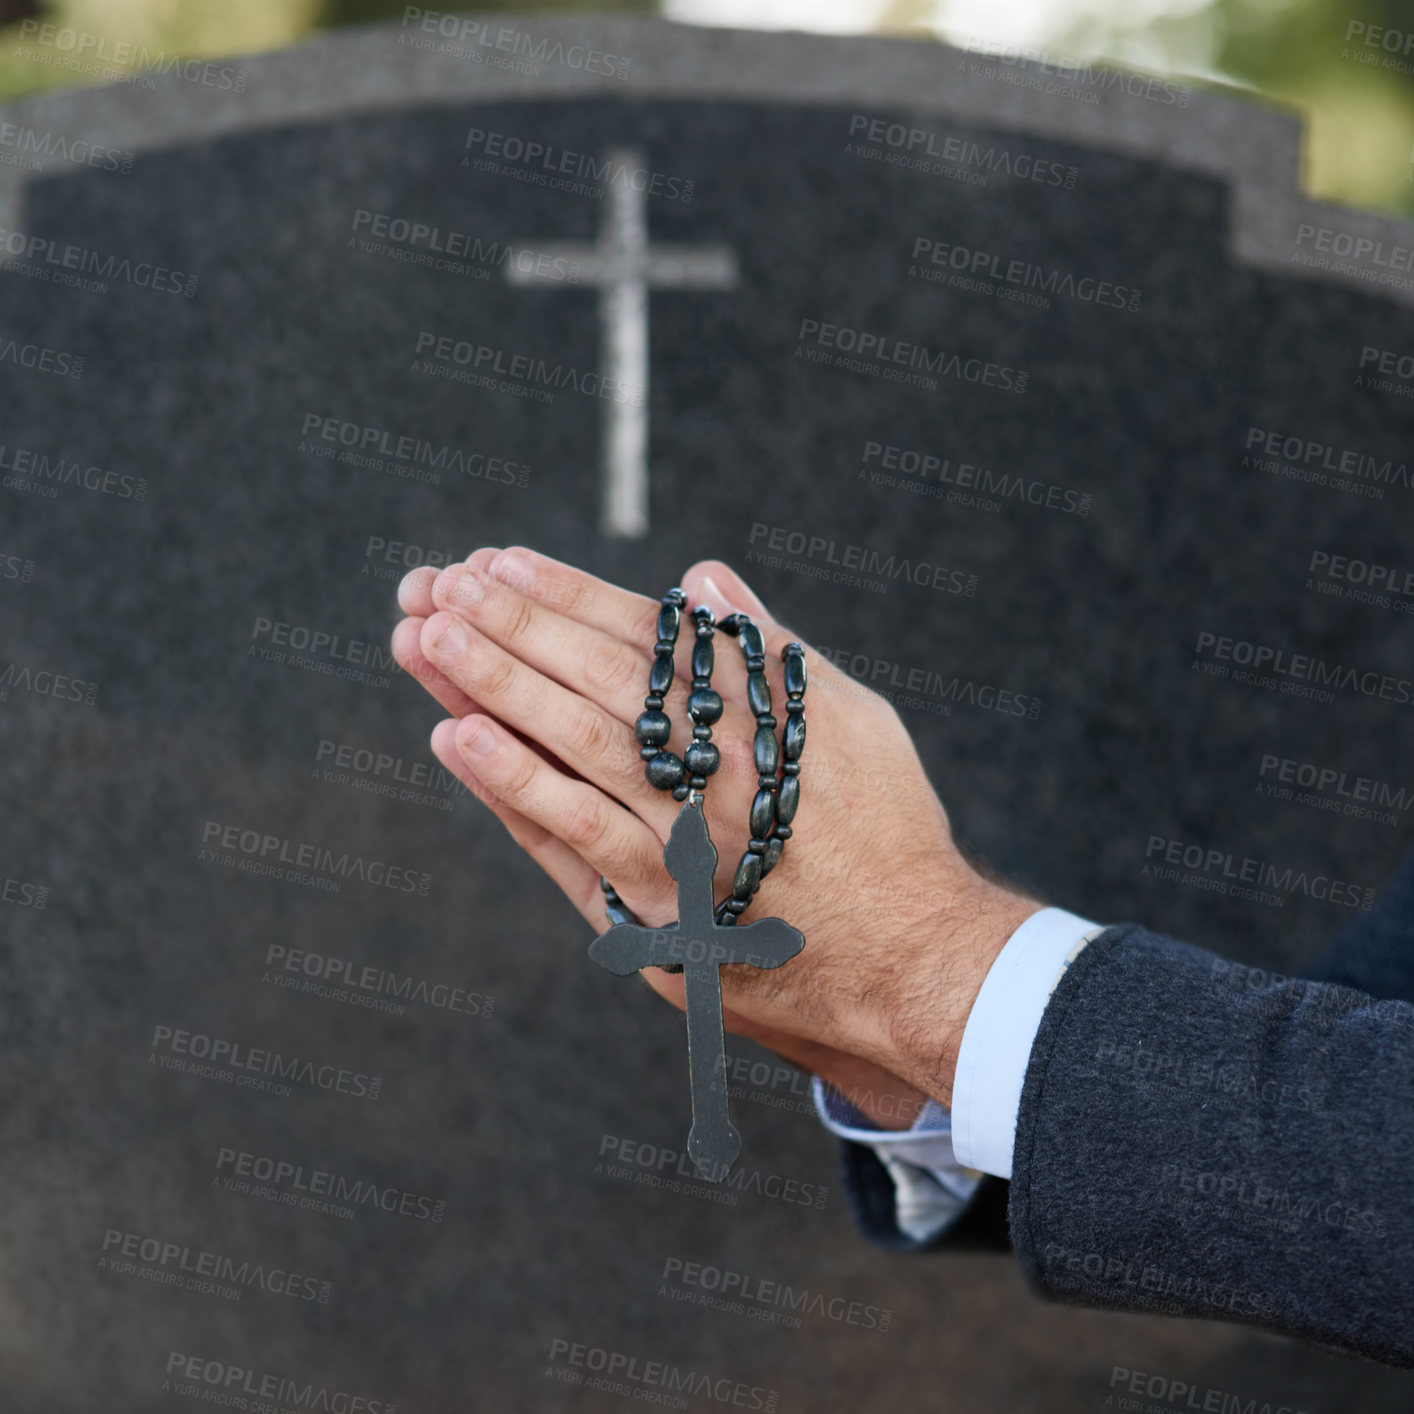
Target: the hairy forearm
(921, 1014)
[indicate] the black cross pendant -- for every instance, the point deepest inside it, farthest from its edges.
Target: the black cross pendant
(702, 947)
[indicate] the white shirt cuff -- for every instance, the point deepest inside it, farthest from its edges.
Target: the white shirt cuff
(931, 1188)
(1001, 1028)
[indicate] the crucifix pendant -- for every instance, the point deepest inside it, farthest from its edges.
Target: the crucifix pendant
(702, 947)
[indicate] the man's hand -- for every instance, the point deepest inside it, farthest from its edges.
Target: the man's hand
(544, 669)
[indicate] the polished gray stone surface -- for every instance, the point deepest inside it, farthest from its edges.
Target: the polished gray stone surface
(1059, 700)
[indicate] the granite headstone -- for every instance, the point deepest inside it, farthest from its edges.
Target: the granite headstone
(1044, 402)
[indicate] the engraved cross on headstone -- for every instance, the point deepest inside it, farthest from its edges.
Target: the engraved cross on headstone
(625, 267)
(702, 947)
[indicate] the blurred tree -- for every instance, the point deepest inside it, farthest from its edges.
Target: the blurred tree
(1357, 97)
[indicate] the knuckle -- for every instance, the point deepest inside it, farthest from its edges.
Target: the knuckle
(587, 823)
(610, 667)
(493, 675)
(517, 618)
(589, 734)
(518, 785)
(644, 628)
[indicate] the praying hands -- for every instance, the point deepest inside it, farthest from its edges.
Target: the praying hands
(543, 670)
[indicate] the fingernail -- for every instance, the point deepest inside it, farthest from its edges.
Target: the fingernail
(462, 585)
(480, 740)
(452, 639)
(710, 594)
(514, 570)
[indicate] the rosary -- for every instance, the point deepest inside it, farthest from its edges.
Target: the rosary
(699, 943)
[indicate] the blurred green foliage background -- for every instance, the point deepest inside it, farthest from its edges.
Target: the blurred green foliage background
(1347, 65)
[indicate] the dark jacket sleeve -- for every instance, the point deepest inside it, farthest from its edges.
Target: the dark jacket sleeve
(1186, 1146)
(1374, 954)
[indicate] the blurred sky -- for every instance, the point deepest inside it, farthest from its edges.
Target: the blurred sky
(1348, 65)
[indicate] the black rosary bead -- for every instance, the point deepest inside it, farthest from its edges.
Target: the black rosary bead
(702, 758)
(704, 705)
(660, 675)
(764, 751)
(664, 771)
(652, 728)
(614, 908)
(669, 617)
(752, 644)
(793, 657)
(758, 692)
(787, 799)
(793, 742)
(762, 813)
(748, 877)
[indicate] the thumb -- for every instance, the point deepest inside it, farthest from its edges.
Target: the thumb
(722, 589)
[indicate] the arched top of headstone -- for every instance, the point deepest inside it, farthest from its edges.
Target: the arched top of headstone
(1253, 148)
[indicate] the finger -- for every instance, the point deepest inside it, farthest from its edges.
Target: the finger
(407, 651)
(596, 744)
(577, 880)
(622, 614)
(612, 841)
(415, 600)
(578, 656)
(716, 584)
(415, 589)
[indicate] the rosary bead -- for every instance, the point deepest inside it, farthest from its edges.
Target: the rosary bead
(653, 702)
(669, 617)
(660, 675)
(748, 877)
(614, 909)
(783, 833)
(772, 856)
(795, 705)
(694, 783)
(763, 809)
(664, 771)
(765, 751)
(701, 733)
(765, 720)
(758, 692)
(793, 741)
(793, 658)
(752, 644)
(787, 799)
(702, 758)
(647, 753)
(703, 658)
(735, 907)
(704, 705)
(681, 790)
(791, 768)
(652, 729)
